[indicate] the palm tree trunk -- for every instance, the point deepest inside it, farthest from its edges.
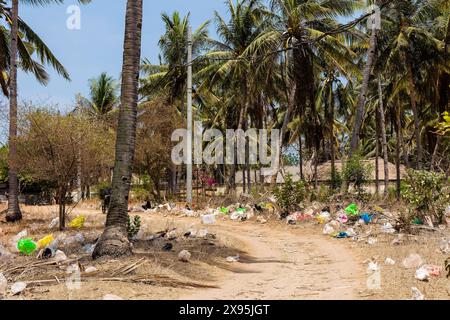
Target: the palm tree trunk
(412, 95)
(114, 240)
(331, 128)
(397, 148)
(377, 154)
(300, 155)
(14, 213)
(383, 137)
(363, 94)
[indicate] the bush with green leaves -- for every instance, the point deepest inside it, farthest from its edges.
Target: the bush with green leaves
(290, 194)
(428, 193)
(134, 226)
(356, 172)
(336, 180)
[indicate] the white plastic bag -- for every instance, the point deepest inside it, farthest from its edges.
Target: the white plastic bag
(209, 219)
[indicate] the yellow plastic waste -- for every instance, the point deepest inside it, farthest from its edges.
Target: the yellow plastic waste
(321, 219)
(45, 241)
(378, 209)
(78, 222)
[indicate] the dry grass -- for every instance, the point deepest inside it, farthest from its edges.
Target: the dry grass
(151, 272)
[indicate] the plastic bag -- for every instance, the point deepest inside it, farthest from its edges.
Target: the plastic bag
(78, 222)
(26, 246)
(367, 218)
(209, 219)
(45, 241)
(343, 218)
(352, 209)
(224, 210)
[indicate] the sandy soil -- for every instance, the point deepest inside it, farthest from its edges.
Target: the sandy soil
(277, 261)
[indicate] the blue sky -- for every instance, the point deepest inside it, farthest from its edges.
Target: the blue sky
(97, 47)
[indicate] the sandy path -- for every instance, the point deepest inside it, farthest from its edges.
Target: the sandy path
(286, 263)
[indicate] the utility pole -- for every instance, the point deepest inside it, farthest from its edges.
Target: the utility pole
(189, 120)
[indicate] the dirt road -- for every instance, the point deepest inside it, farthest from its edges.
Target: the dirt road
(285, 263)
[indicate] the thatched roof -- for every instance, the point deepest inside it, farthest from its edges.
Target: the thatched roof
(324, 171)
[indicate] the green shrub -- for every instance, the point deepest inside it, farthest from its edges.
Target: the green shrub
(356, 172)
(140, 193)
(134, 226)
(427, 192)
(336, 180)
(322, 194)
(290, 194)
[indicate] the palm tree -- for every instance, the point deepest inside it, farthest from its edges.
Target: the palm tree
(102, 98)
(228, 69)
(28, 64)
(169, 77)
(114, 240)
(407, 37)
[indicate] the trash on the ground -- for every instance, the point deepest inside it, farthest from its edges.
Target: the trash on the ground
(432, 270)
(331, 227)
(422, 274)
(46, 253)
(416, 294)
(232, 258)
(90, 269)
(22, 234)
(351, 232)
(238, 215)
(111, 297)
(78, 238)
(18, 287)
(387, 228)
(444, 246)
(26, 246)
(77, 222)
(343, 218)
(389, 261)
(54, 223)
(323, 217)
(208, 219)
(417, 221)
(367, 218)
(60, 256)
(224, 210)
(3, 284)
(89, 248)
(4, 253)
(373, 266)
(342, 235)
(412, 261)
(45, 241)
(352, 210)
(372, 241)
(184, 256)
(291, 219)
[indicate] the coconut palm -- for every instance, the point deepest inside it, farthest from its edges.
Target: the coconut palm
(407, 37)
(170, 75)
(102, 97)
(29, 65)
(114, 240)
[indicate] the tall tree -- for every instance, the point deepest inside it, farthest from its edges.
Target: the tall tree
(102, 96)
(14, 212)
(114, 240)
(28, 64)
